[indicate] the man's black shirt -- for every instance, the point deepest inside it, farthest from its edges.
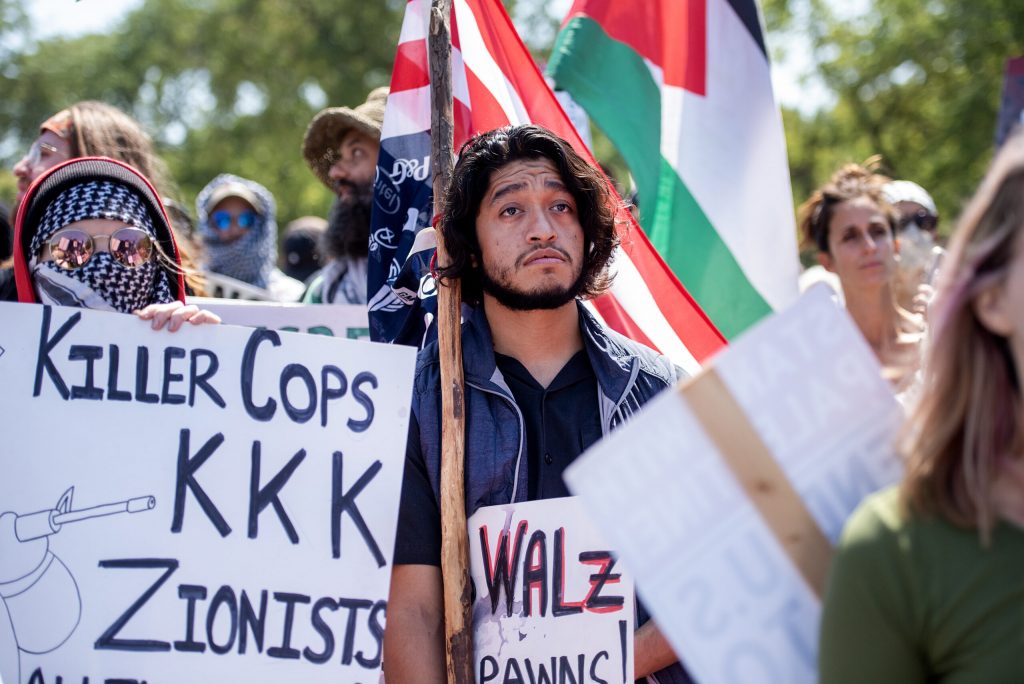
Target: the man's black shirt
(561, 422)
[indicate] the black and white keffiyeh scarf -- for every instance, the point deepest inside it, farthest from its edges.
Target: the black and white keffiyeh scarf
(103, 282)
(252, 257)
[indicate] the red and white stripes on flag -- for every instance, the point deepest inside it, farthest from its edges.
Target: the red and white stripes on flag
(496, 83)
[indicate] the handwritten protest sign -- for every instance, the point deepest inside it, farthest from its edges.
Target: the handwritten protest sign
(552, 603)
(216, 504)
(225, 287)
(724, 497)
(336, 320)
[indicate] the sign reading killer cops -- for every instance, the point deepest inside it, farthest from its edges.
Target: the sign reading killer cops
(552, 602)
(215, 504)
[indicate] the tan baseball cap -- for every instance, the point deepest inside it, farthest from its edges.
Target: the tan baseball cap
(233, 189)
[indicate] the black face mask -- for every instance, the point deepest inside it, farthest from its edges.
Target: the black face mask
(348, 224)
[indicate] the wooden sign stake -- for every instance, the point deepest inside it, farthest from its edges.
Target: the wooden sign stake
(458, 616)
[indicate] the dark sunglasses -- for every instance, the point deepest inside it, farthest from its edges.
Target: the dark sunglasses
(71, 248)
(923, 219)
(222, 220)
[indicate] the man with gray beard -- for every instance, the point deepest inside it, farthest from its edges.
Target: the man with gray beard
(341, 147)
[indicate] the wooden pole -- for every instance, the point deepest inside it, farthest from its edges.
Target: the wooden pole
(458, 616)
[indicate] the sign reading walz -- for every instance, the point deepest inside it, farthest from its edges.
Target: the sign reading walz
(552, 602)
(215, 504)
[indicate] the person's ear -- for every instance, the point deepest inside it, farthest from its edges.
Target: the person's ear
(990, 307)
(825, 259)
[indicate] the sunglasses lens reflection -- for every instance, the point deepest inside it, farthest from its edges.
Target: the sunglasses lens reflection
(247, 219)
(222, 220)
(131, 247)
(71, 249)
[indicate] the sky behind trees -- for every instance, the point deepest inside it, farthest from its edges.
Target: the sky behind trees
(918, 83)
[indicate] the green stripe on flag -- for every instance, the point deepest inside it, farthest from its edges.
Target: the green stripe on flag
(612, 83)
(697, 255)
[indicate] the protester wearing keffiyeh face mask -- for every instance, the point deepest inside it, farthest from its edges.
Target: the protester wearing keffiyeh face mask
(93, 233)
(920, 254)
(101, 282)
(236, 220)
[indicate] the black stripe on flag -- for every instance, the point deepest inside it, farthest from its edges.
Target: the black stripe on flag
(746, 10)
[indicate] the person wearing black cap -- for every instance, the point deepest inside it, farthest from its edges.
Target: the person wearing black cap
(94, 234)
(300, 254)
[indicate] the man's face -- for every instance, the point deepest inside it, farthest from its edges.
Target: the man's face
(531, 241)
(356, 164)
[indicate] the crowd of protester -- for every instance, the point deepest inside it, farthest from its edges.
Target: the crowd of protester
(924, 586)
(232, 235)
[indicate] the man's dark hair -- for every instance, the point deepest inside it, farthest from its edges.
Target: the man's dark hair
(484, 154)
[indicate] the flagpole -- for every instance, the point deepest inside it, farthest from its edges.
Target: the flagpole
(454, 540)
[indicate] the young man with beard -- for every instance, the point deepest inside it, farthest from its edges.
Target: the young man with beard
(341, 147)
(529, 229)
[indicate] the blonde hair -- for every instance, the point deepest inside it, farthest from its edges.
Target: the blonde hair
(969, 413)
(102, 130)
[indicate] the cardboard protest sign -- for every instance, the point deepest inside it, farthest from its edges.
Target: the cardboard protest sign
(724, 496)
(335, 320)
(215, 504)
(552, 602)
(225, 287)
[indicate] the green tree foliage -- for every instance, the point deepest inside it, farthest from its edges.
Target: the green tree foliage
(230, 85)
(224, 85)
(916, 81)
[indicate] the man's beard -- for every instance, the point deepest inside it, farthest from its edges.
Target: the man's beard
(348, 223)
(552, 297)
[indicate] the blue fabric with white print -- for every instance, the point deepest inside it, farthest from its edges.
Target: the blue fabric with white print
(401, 296)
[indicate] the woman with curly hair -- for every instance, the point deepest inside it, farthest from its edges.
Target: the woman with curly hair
(852, 227)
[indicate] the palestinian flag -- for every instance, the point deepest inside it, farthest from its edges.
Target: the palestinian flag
(495, 83)
(683, 90)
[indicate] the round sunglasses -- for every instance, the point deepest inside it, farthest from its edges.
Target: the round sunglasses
(222, 220)
(924, 220)
(72, 248)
